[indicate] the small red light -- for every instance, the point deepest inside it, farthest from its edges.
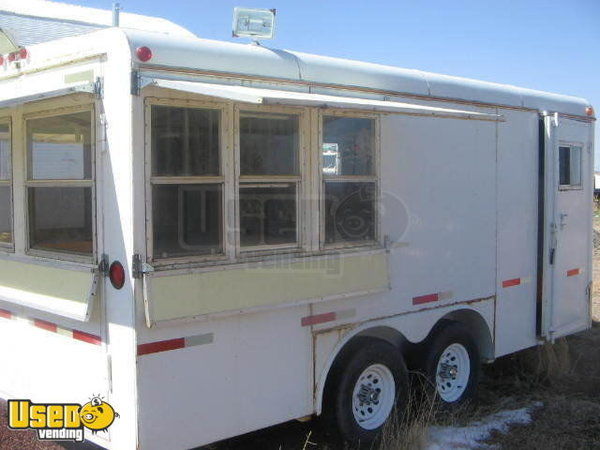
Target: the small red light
(23, 53)
(1, 60)
(589, 111)
(12, 57)
(144, 54)
(116, 274)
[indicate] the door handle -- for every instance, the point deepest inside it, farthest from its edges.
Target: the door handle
(563, 221)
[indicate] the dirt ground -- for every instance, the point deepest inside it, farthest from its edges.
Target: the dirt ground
(564, 379)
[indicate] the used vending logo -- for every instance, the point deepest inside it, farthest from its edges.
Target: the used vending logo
(60, 421)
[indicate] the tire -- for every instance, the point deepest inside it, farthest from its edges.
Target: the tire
(452, 365)
(366, 384)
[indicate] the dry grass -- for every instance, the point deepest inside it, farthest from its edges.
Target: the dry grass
(566, 379)
(408, 431)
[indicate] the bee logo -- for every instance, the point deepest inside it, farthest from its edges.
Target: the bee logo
(97, 415)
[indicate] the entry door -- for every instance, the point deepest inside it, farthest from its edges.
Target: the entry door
(568, 233)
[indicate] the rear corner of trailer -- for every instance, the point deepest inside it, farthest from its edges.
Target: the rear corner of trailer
(59, 322)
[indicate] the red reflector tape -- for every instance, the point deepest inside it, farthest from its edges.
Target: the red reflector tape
(510, 283)
(48, 326)
(54, 328)
(318, 318)
(572, 272)
(161, 346)
(86, 337)
(426, 299)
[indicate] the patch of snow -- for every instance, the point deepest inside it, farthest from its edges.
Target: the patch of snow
(470, 436)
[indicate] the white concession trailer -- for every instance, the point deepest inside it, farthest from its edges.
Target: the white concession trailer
(220, 237)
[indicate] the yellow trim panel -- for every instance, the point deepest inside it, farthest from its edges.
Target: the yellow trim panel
(170, 297)
(65, 292)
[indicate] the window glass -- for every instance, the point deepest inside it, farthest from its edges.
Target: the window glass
(349, 212)
(267, 214)
(60, 219)
(268, 144)
(569, 166)
(5, 214)
(59, 147)
(5, 155)
(187, 214)
(348, 144)
(187, 219)
(185, 141)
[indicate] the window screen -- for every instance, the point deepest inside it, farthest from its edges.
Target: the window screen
(269, 178)
(6, 216)
(60, 183)
(187, 203)
(349, 182)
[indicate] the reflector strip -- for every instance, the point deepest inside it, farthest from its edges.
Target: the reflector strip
(426, 299)
(48, 326)
(510, 283)
(54, 328)
(573, 272)
(161, 346)
(86, 337)
(175, 344)
(317, 319)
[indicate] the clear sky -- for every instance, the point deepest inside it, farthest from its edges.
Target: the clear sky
(551, 45)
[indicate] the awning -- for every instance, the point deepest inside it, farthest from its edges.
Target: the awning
(287, 98)
(24, 97)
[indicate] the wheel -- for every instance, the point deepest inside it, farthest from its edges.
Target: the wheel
(365, 385)
(452, 364)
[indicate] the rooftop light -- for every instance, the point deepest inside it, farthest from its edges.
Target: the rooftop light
(254, 23)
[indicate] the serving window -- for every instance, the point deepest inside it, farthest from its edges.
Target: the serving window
(269, 146)
(229, 182)
(6, 213)
(187, 181)
(349, 179)
(60, 184)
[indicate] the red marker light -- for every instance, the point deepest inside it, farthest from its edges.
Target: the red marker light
(116, 274)
(589, 111)
(1, 60)
(12, 57)
(23, 53)
(144, 54)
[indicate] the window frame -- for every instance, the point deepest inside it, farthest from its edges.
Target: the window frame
(570, 145)
(221, 180)
(9, 247)
(310, 201)
(91, 183)
(300, 180)
(374, 178)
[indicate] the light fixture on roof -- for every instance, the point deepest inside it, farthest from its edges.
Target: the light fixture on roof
(256, 24)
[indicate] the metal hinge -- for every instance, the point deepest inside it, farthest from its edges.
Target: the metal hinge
(136, 80)
(99, 87)
(139, 268)
(103, 267)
